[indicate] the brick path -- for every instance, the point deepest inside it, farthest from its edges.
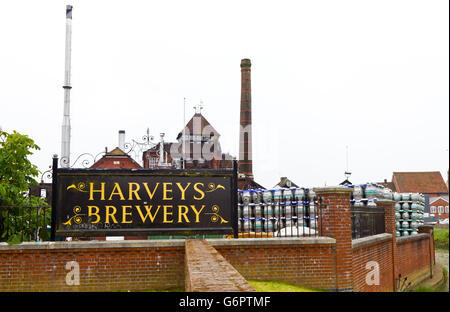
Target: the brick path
(208, 271)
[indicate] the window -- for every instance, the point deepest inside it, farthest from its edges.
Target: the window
(153, 162)
(43, 193)
(116, 162)
(446, 209)
(440, 209)
(433, 209)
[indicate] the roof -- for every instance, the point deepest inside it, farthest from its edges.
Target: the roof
(155, 149)
(285, 182)
(115, 154)
(428, 182)
(200, 124)
(346, 182)
(389, 185)
(248, 183)
(433, 199)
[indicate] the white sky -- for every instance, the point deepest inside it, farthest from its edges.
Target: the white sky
(370, 75)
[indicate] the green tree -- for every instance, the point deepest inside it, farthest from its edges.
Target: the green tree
(19, 219)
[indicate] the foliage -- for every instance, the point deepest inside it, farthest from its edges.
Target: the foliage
(270, 286)
(18, 224)
(441, 287)
(17, 220)
(441, 238)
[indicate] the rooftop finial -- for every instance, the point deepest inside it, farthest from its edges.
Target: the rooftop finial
(198, 109)
(69, 11)
(347, 172)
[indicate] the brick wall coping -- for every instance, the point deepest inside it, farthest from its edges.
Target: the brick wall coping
(427, 226)
(271, 241)
(161, 243)
(385, 201)
(404, 239)
(332, 189)
(369, 240)
(94, 244)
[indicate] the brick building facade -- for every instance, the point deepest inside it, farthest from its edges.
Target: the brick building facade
(116, 159)
(439, 207)
(198, 146)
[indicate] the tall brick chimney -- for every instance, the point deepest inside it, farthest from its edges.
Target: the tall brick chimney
(245, 136)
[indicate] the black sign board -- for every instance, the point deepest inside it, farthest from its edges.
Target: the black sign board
(109, 202)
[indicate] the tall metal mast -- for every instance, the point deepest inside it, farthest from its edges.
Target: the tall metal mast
(184, 136)
(65, 137)
(347, 173)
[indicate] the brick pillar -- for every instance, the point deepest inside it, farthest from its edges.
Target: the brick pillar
(428, 229)
(389, 224)
(335, 222)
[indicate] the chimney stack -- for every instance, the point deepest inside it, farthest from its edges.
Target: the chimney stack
(245, 136)
(122, 140)
(161, 149)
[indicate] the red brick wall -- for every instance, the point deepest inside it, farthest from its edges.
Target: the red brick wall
(379, 251)
(108, 162)
(429, 229)
(159, 265)
(414, 256)
(129, 266)
(309, 265)
(101, 269)
(389, 223)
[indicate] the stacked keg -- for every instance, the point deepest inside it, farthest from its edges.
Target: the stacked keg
(409, 208)
(366, 195)
(283, 212)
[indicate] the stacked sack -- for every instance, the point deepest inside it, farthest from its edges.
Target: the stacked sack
(284, 212)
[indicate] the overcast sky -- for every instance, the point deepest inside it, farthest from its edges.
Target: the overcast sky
(370, 75)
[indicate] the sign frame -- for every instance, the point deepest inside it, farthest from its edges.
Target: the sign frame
(230, 227)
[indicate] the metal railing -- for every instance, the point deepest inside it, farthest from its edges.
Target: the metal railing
(29, 223)
(366, 220)
(277, 213)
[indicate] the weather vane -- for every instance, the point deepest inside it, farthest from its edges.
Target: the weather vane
(198, 109)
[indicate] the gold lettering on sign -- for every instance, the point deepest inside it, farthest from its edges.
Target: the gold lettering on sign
(199, 191)
(182, 211)
(149, 213)
(92, 191)
(116, 191)
(90, 213)
(197, 213)
(183, 190)
(125, 213)
(166, 190)
(134, 190)
(109, 214)
(183, 202)
(167, 213)
(150, 194)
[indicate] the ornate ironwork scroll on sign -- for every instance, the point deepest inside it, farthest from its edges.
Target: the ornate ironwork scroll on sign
(96, 202)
